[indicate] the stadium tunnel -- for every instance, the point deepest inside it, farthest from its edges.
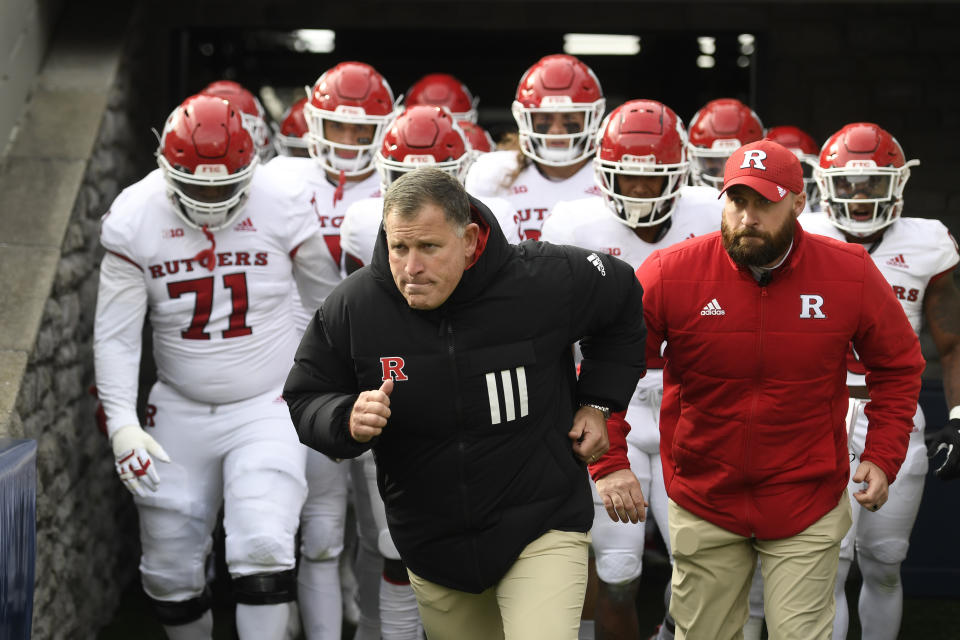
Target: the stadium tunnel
(83, 85)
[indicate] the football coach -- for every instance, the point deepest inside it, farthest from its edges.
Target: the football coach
(450, 356)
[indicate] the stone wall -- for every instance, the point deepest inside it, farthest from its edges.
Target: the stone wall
(86, 524)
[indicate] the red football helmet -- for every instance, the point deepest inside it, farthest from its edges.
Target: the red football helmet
(423, 135)
(480, 140)
(718, 129)
(806, 149)
(349, 96)
(291, 137)
(558, 91)
(443, 90)
(641, 138)
(208, 158)
(861, 175)
(254, 116)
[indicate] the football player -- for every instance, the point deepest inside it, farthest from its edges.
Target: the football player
(347, 111)
(420, 135)
(861, 174)
(640, 168)
(254, 115)
(718, 129)
(290, 138)
(558, 108)
(443, 90)
(806, 149)
(210, 249)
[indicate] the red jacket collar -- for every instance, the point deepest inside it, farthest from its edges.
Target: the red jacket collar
(482, 237)
(798, 246)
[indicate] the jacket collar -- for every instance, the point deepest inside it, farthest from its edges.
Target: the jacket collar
(493, 251)
(794, 256)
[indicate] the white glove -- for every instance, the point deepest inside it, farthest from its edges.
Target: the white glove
(132, 448)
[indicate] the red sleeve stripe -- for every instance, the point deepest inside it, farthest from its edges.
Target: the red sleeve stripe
(120, 255)
(940, 275)
(293, 252)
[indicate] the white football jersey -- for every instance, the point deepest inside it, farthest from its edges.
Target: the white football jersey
(911, 252)
(314, 192)
(219, 335)
(589, 223)
(532, 195)
(305, 177)
(361, 224)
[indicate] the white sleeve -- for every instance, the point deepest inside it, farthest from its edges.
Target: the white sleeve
(485, 175)
(315, 273)
(506, 217)
(945, 253)
(117, 331)
(555, 230)
(360, 228)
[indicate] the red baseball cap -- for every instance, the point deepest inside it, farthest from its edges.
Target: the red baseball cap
(766, 167)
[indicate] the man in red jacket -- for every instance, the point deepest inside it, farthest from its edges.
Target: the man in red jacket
(758, 319)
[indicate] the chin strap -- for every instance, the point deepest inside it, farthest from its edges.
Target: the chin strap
(338, 192)
(207, 257)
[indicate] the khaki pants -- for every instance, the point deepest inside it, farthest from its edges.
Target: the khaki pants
(713, 568)
(540, 598)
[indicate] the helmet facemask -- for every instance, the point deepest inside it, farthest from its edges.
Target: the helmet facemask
(571, 147)
(809, 164)
(862, 198)
(211, 197)
(352, 159)
(640, 211)
(707, 165)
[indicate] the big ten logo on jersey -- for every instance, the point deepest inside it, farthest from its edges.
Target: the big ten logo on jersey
(902, 293)
(519, 188)
(613, 251)
(224, 259)
(173, 233)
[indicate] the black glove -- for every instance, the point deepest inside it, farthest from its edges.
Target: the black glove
(946, 439)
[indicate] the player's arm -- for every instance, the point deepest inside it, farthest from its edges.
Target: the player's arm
(554, 230)
(117, 337)
(121, 308)
(941, 307)
(314, 271)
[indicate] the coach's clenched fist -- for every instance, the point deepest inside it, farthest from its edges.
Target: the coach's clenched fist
(370, 412)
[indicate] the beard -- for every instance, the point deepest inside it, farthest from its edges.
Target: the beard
(774, 244)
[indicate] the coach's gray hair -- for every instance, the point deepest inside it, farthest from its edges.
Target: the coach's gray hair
(427, 185)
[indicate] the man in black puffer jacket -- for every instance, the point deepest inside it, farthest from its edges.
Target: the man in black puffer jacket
(450, 356)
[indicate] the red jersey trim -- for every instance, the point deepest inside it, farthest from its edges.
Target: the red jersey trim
(941, 274)
(123, 257)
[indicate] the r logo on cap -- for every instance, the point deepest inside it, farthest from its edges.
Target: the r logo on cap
(754, 157)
